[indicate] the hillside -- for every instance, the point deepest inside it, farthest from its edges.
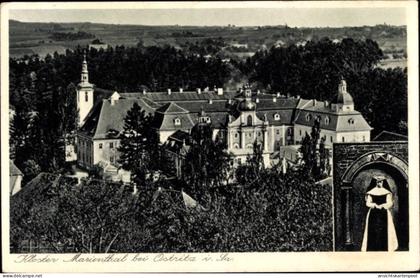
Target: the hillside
(42, 38)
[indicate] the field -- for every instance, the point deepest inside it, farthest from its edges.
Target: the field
(35, 38)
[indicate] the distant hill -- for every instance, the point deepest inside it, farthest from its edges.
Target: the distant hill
(30, 38)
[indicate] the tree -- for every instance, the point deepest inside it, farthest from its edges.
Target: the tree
(251, 171)
(314, 154)
(139, 144)
(88, 218)
(207, 162)
(20, 134)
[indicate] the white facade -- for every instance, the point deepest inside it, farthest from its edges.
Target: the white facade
(84, 93)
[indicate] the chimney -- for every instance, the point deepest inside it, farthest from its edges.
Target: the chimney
(297, 97)
(274, 99)
(210, 101)
(258, 92)
(288, 95)
(220, 91)
(257, 100)
(314, 102)
(114, 97)
(278, 94)
(198, 90)
(326, 103)
(181, 90)
(169, 92)
(144, 91)
(229, 101)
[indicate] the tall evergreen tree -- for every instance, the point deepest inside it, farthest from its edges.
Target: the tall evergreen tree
(139, 143)
(207, 162)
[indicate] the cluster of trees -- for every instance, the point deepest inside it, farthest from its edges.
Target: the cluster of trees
(60, 36)
(38, 136)
(314, 71)
(315, 156)
(281, 213)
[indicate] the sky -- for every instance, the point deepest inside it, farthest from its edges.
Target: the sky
(294, 17)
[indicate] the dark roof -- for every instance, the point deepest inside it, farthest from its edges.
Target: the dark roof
(166, 121)
(337, 121)
(344, 98)
(390, 136)
(171, 108)
(106, 116)
(185, 96)
(186, 106)
(179, 136)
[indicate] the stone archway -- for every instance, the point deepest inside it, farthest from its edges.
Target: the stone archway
(355, 181)
(376, 157)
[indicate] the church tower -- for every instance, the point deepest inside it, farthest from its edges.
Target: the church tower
(344, 101)
(84, 93)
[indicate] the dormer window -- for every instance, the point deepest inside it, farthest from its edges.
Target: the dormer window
(327, 120)
(86, 96)
(308, 117)
(177, 121)
(276, 117)
(351, 121)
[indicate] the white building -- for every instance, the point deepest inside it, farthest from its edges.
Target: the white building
(239, 118)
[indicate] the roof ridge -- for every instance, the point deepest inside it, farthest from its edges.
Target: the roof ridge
(171, 108)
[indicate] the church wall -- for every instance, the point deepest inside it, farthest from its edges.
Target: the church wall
(353, 136)
(85, 102)
(331, 136)
(106, 150)
(84, 151)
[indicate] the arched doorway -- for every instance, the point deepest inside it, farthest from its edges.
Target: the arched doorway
(355, 182)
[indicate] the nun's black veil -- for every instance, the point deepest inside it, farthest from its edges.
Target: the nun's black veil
(373, 184)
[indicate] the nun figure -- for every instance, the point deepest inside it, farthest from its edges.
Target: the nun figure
(379, 233)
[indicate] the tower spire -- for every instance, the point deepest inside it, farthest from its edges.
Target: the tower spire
(85, 74)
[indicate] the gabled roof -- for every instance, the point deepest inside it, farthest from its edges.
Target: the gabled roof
(390, 136)
(353, 121)
(14, 171)
(171, 108)
(166, 122)
(106, 116)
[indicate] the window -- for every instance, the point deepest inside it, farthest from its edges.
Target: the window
(327, 120)
(236, 135)
(236, 146)
(249, 120)
(364, 138)
(331, 139)
(177, 121)
(300, 132)
(308, 117)
(278, 131)
(289, 131)
(343, 139)
(111, 145)
(111, 159)
(239, 161)
(100, 145)
(276, 117)
(351, 121)
(259, 134)
(86, 96)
